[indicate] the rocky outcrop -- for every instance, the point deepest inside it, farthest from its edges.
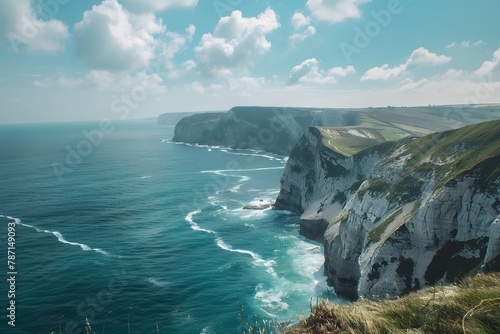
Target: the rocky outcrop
(401, 215)
(269, 129)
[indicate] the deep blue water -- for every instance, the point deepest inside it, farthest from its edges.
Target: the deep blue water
(151, 230)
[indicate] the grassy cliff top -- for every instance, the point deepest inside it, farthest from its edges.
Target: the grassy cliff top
(472, 306)
(378, 125)
(451, 153)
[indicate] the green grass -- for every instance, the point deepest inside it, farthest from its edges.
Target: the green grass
(341, 219)
(375, 234)
(342, 141)
(470, 307)
(458, 151)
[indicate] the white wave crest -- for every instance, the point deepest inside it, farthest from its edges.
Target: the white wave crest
(194, 226)
(222, 245)
(58, 235)
(219, 171)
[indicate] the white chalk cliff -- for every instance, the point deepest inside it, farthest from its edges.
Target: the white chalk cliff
(399, 215)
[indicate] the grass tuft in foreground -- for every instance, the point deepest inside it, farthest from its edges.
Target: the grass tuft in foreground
(471, 307)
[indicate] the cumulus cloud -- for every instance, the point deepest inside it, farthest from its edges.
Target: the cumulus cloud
(20, 26)
(235, 43)
(299, 37)
(142, 6)
(335, 11)
(488, 67)
(299, 20)
(422, 56)
(113, 39)
(419, 57)
(308, 72)
(246, 84)
(110, 38)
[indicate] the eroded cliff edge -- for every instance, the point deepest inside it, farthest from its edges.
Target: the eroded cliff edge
(399, 215)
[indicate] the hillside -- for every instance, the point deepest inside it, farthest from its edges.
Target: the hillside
(277, 130)
(398, 216)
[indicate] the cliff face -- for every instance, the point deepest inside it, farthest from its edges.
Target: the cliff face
(270, 129)
(277, 130)
(399, 215)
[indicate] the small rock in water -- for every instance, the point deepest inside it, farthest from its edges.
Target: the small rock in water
(262, 205)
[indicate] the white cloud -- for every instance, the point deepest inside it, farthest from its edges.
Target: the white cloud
(235, 43)
(246, 84)
(308, 72)
(142, 6)
(110, 38)
(488, 67)
(196, 87)
(454, 74)
(384, 72)
(419, 57)
(422, 56)
(408, 84)
(167, 50)
(177, 42)
(242, 86)
(450, 89)
(299, 20)
(105, 81)
(464, 44)
(334, 11)
(299, 37)
(342, 71)
(20, 26)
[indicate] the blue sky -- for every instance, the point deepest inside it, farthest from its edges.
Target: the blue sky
(64, 60)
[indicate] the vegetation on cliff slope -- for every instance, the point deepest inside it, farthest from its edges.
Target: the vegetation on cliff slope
(472, 306)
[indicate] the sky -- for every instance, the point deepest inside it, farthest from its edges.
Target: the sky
(73, 60)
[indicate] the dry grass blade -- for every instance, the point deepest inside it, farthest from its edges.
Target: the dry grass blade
(470, 313)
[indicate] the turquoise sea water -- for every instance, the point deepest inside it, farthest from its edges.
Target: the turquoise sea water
(151, 230)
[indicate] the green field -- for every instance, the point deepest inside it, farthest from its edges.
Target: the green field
(378, 125)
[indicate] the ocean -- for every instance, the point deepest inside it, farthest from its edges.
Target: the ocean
(116, 224)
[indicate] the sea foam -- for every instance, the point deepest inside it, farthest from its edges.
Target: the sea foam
(58, 235)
